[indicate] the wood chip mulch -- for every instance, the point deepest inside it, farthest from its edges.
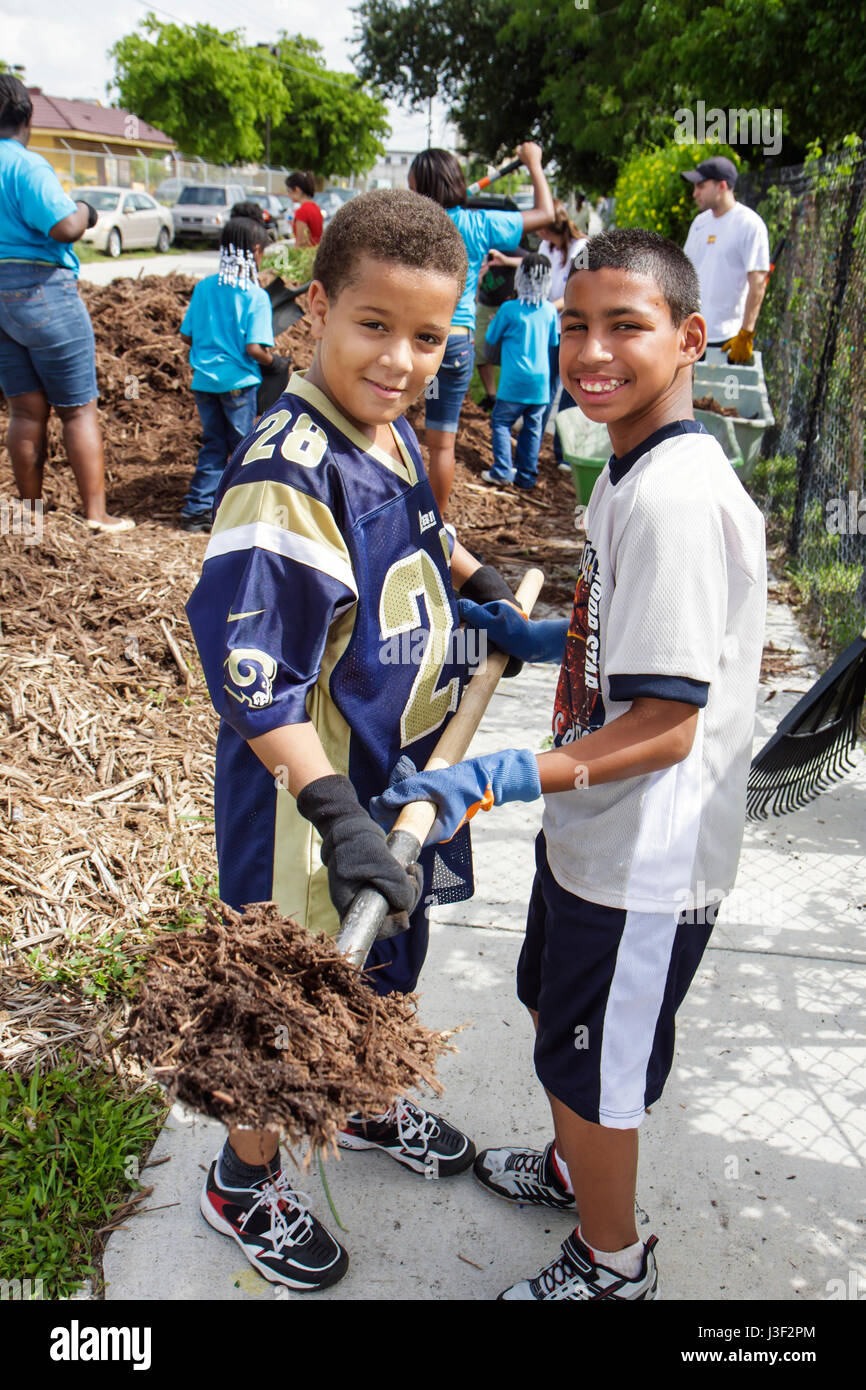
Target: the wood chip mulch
(257, 1022)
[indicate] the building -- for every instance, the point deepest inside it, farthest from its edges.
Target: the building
(391, 171)
(86, 143)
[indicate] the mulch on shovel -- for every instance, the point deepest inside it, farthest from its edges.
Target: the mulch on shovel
(256, 1022)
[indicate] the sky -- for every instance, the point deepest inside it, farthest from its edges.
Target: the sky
(63, 44)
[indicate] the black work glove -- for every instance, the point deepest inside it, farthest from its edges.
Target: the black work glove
(354, 850)
(277, 364)
(484, 586)
(92, 214)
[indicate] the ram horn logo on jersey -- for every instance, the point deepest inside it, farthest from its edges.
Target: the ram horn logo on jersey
(579, 707)
(250, 676)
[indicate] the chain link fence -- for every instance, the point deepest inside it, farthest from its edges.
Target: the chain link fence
(810, 481)
(161, 175)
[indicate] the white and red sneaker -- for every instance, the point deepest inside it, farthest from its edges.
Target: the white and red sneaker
(275, 1230)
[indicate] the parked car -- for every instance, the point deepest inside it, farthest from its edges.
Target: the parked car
(278, 222)
(169, 190)
(330, 200)
(126, 220)
(202, 209)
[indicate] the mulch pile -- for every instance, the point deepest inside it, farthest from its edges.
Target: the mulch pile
(256, 1022)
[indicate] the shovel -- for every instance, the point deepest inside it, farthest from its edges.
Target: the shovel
(284, 306)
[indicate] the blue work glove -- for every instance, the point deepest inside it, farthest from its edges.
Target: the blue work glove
(459, 791)
(541, 639)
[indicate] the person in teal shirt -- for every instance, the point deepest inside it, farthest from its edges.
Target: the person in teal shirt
(523, 331)
(47, 349)
(229, 327)
(438, 175)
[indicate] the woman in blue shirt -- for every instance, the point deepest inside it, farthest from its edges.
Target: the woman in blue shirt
(438, 175)
(47, 353)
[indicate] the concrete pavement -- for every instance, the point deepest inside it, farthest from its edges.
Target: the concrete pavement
(751, 1165)
(195, 263)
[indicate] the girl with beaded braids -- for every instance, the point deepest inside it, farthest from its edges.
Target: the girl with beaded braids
(522, 335)
(229, 329)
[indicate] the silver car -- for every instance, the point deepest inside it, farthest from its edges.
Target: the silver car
(203, 209)
(126, 220)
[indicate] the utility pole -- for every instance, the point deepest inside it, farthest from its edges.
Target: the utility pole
(273, 49)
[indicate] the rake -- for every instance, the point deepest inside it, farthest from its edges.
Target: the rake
(813, 746)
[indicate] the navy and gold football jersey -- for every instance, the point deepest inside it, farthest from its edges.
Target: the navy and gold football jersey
(325, 595)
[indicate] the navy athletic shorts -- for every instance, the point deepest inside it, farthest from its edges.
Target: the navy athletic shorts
(606, 983)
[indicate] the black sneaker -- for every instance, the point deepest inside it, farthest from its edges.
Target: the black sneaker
(525, 1176)
(423, 1142)
(200, 521)
(575, 1277)
(278, 1235)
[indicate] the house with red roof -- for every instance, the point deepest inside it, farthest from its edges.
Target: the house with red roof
(87, 143)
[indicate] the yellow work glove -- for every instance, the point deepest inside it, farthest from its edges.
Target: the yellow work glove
(739, 348)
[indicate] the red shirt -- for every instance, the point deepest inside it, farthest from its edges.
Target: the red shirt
(311, 214)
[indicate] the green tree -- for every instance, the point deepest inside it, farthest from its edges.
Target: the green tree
(335, 125)
(601, 80)
(206, 90)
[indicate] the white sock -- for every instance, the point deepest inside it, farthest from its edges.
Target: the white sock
(561, 1169)
(627, 1262)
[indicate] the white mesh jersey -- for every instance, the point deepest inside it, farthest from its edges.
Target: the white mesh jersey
(669, 604)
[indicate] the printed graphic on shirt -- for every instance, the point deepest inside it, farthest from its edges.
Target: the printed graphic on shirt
(578, 708)
(250, 676)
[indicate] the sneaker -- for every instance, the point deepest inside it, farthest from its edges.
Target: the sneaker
(574, 1276)
(564, 468)
(199, 521)
(488, 477)
(423, 1142)
(525, 1176)
(278, 1235)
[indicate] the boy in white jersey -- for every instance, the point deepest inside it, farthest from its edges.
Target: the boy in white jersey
(645, 785)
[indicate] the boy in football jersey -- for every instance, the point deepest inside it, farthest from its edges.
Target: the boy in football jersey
(645, 787)
(327, 545)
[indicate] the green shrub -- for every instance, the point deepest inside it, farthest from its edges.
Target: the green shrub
(650, 193)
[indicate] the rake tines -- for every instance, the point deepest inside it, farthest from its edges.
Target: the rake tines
(813, 745)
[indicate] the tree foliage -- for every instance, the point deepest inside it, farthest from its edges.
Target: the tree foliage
(335, 125)
(205, 89)
(214, 94)
(595, 82)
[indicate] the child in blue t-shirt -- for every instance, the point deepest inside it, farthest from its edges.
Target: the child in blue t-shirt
(229, 327)
(524, 330)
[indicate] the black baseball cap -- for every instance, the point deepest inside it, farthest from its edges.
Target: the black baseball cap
(717, 169)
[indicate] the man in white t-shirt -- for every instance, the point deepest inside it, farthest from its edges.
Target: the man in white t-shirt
(729, 247)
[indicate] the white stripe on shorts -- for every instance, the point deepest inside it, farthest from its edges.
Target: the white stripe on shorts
(633, 1005)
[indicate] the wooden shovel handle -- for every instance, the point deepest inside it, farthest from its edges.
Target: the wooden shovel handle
(415, 821)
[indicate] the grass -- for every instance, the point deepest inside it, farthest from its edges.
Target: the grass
(87, 254)
(71, 1142)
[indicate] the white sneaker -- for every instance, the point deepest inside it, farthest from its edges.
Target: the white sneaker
(575, 1277)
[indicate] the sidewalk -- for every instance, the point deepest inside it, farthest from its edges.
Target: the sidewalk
(195, 263)
(751, 1165)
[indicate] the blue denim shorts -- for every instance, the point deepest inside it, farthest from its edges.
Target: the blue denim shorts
(445, 393)
(46, 337)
